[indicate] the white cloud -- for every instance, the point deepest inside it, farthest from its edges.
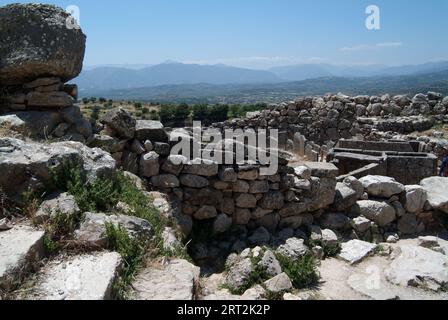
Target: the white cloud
(364, 47)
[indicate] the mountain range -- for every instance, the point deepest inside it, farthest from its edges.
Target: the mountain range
(103, 78)
(283, 91)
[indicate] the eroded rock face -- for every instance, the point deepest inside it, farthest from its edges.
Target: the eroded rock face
(35, 42)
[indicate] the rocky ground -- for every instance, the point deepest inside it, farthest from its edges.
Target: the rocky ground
(99, 211)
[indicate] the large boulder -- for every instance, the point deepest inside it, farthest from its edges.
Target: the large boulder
(380, 212)
(436, 189)
(416, 197)
(92, 231)
(153, 131)
(31, 165)
(120, 121)
(379, 186)
(35, 41)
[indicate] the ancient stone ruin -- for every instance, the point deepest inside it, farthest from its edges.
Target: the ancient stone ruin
(355, 185)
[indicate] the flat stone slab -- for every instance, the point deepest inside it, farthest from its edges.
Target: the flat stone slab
(321, 169)
(375, 289)
(355, 251)
(414, 266)
(20, 247)
(86, 277)
(175, 281)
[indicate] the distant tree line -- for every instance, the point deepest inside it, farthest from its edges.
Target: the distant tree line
(181, 114)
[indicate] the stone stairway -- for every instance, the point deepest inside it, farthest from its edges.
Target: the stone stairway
(26, 274)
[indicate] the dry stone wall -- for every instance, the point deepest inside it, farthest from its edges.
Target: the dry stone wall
(226, 194)
(327, 119)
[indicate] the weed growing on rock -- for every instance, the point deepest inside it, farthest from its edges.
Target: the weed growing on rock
(132, 250)
(302, 272)
(330, 250)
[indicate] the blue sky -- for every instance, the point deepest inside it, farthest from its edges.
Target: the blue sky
(261, 33)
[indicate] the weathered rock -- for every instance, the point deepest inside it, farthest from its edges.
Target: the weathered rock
(239, 274)
(416, 198)
(259, 213)
(106, 143)
(428, 242)
(294, 248)
(165, 181)
(54, 50)
(242, 216)
(149, 165)
(228, 175)
(203, 167)
(436, 189)
(32, 123)
(257, 187)
(329, 238)
(240, 186)
(335, 221)
(379, 212)
(175, 281)
(86, 277)
(174, 164)
(280, 283)
(55, 205)
(30, 164)
(246, 201)
(302, 172)
(418, 267)
(355, 251)
(92, 231)
(56, 99)
(20, 248)
(256, 293)
(322, 169)
(121, 121)
(379, 186)
(205, 213)
(153, 131)
(222, 223)
(250, 174)
(270, 264)
(345, 197)
(361, 224)
(273, 201)
(162, 149)
(260, 236)
(408, 224)
(193, 181)
(137, 147)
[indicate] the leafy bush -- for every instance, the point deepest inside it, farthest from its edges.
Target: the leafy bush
(302, 272)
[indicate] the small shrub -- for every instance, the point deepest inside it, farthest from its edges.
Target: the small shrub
(329, 250)
(302, 272)
(132, 250)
